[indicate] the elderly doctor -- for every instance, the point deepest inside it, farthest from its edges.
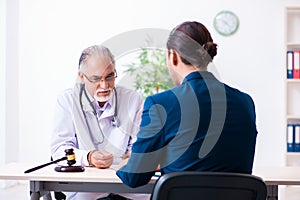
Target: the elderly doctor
(96, 118)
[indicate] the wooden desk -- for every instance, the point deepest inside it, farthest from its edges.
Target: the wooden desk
(46, 179)
(275, 176)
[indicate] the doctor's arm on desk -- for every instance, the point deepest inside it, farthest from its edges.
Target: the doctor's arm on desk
(100, 159)
(63, 135)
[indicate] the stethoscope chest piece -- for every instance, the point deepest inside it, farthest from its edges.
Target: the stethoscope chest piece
(115, 121)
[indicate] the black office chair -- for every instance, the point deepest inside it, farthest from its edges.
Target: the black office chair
(209, 186)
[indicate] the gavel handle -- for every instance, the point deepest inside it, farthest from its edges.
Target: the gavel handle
(44, 165)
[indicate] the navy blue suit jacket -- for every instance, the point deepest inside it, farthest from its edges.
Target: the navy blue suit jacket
(200, 125)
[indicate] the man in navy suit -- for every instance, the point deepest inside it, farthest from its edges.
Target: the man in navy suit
(201, 124)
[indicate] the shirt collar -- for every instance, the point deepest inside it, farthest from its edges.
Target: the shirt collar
(108, 107)
(199, 75)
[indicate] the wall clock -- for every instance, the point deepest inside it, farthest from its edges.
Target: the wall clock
(226, 23)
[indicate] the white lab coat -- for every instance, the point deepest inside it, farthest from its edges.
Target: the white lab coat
(71, 130)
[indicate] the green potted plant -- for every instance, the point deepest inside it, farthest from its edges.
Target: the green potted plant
(150, 72)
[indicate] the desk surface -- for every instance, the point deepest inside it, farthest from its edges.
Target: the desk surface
(15, 171)
(92, 179)
(46, 179)
(278, 175)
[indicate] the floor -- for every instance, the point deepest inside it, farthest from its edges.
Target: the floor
(289, 192)
(21, 192)
(18, 192)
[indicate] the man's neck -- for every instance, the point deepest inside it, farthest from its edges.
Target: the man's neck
(188, 69)
(101, 104)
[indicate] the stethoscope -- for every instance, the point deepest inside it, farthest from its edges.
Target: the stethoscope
(115, 120)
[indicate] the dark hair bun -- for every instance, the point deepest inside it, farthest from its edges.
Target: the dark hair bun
(211, 49)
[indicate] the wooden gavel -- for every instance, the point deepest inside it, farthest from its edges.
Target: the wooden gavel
(70, 157)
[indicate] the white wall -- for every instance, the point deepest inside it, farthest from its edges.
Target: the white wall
(12, 81)
(2, 80)
(53, 33)
(9, 79)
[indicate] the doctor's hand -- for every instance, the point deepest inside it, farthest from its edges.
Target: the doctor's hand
(100, 158)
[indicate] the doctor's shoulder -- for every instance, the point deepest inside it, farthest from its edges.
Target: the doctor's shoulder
(65, 97)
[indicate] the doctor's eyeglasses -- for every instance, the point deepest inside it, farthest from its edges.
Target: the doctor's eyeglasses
(95, 79)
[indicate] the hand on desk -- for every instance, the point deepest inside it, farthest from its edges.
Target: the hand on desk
(158, 168)
(126, 155)
(100, 159)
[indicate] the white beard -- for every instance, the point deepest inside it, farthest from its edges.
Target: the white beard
(103, 98)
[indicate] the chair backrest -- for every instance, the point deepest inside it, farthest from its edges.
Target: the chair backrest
(209, 185)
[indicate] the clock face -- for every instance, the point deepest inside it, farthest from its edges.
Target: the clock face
(226, 23)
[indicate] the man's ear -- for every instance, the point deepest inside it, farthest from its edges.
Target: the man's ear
(174, 57)
(80, 75)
